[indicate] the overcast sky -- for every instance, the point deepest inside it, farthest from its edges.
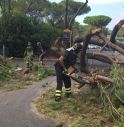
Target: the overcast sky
(111, 8)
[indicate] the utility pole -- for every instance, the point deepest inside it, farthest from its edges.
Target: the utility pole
(67, 32)
(66, 15)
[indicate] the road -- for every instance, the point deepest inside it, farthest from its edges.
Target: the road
(16, 109)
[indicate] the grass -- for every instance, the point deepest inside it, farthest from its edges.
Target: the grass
(75, 111)
(18, 85)
(17, 81)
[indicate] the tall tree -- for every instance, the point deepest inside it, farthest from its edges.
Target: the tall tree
(98, 21)
(81, 10)
(32, 8)
(55, 12)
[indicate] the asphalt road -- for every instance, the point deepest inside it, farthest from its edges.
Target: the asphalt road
(16, 109)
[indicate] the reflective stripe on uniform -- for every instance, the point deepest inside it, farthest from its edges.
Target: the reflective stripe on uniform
(68, 90)
(58, 93)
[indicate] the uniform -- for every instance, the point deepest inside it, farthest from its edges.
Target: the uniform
(69, 59)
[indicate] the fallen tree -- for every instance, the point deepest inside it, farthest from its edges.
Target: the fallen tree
(103, 41)
(115, 31)
(112, 87)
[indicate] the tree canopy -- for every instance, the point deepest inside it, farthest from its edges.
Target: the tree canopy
(33, 20)
(98, 21)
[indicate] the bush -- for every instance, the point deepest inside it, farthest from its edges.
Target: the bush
(17, 30)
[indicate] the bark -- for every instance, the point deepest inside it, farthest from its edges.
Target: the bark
(100, 57)
(102, 41)
(92, 80)
(110, 44)
(85, 46)
(98, 41)
(104, 58)
(115, 30)
(103, 78)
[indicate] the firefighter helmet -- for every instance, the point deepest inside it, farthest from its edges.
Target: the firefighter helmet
(77, 46)
(29, 43)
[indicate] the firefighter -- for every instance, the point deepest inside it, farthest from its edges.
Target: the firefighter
(65, 61)
(28, 56)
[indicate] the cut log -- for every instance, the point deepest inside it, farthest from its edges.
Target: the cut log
(92, 80)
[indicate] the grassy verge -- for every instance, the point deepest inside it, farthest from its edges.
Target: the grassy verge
(20, 81)
(80, 110)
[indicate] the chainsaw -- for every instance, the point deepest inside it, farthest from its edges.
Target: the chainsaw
(74, 75)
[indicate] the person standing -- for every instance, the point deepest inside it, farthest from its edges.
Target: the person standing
(65, 61)
(28, 56)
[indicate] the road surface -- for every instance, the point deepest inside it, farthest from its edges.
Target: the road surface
(16, 109)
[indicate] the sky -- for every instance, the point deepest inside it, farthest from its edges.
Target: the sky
(111, 8)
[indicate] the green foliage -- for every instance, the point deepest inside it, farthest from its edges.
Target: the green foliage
(117, 74)
(119, 124)
(80, 29)
(86, 123)
(42, 72)
(120, 94)
(55, 12)
(99, 21)
(17, 30)
(120, 32)
(6, 70)
(14, 32)
(54, 105)
(33, 21)
(74, 6)
(74, 112)
(112, 97)
(2, 77)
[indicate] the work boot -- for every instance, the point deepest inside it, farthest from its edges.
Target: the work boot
(57, 98)
(58, 95)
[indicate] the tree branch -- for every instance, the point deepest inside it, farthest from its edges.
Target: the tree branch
(115, 30)
(72, 19)
(110, 44)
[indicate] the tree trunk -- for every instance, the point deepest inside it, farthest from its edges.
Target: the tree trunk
(73, 18)
(85, 46)
(102, 41)
(104, 58)
(9, 6)
(111, 45)
(66, 14)
(115, 30)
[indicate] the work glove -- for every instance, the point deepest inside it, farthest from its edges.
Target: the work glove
(65, 70)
